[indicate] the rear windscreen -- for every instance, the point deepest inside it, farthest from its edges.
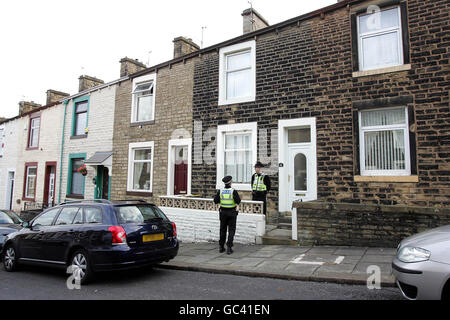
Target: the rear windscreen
(139, 214)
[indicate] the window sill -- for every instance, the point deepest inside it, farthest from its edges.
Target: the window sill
(390, 179)
(139, 193)
(236, 101)
(75, 196)
(143, 123)
(366, 73)
(84, 136)
(32, 148)
(236, 186)
(28, 199)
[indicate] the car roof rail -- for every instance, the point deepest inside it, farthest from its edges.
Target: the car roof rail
(86, 200)
(132, 200)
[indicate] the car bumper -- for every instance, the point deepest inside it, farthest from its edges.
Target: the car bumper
(124, 257)
(420, 280)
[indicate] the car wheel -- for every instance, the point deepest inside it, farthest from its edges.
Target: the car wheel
(81, 267)
(10, 259)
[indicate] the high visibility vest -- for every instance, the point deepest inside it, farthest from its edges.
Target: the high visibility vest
(258, 183)
(226, 198)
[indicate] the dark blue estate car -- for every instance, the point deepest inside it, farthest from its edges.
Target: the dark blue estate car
(91, 236)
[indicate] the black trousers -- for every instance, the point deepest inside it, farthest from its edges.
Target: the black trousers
(227, 221)
(256, 196)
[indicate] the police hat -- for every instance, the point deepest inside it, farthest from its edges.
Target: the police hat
(227, 179)
(259, 165)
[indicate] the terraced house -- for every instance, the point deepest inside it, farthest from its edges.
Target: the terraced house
(346, 104)
(30, 154)
(88, 122)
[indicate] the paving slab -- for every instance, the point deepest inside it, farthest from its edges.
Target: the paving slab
(263, 254)
(301, 270)
(361, 267)
(350, 251)
(381, 251)
(272, 266)
(377, 258)
(248, 262)
(340, 268)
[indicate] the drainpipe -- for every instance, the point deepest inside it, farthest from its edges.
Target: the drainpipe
(62, 149)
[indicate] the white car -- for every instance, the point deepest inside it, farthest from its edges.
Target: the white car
(422, 265)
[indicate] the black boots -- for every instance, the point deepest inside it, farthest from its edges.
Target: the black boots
(222, 249)
(229, 250)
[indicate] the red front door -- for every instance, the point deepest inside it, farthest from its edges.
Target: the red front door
(180, 171)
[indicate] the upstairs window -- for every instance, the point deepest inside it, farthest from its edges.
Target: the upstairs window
(380, 39)
(80, 118)
(384, 141)
(33, 138)
(237, 70)
(143, 100)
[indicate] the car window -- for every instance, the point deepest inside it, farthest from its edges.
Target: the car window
(78, 218)
(9, 218)
(46, 218)
(67, 215)
(93, 215)
(138, 213)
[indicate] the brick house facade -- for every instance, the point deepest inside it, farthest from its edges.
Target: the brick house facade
(308, 68)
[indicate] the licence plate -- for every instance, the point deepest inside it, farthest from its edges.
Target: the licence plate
(152, 237)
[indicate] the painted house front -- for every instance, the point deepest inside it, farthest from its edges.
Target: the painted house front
(338, 109)
(88, 123)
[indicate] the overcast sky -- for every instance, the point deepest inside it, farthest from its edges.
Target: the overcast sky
(48, 44)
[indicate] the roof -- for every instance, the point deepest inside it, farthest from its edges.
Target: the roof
(99, 157)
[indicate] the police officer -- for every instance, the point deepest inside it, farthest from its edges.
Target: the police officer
(260, 185)
(228, 199)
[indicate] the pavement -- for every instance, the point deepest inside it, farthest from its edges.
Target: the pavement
(336, 264)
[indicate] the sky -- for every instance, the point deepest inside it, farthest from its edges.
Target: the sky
(48, 44)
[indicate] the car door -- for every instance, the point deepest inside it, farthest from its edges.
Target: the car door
(30, 239)
(58, 237)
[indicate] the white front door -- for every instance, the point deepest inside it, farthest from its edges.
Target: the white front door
(51, 189)
(301, 178)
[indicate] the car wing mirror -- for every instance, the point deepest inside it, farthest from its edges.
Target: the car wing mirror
(25, 224)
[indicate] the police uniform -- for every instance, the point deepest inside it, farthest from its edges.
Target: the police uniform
(228, 199)
(260, 187)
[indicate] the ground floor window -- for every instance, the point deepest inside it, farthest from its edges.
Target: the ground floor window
(30, 181)
(140, 166)
(384, 142)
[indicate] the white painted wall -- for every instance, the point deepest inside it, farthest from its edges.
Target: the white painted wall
(100, 136)
(203, 226)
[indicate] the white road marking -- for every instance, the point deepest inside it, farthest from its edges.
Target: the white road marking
(299, 260)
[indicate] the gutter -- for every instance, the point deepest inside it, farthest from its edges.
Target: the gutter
(62, 149)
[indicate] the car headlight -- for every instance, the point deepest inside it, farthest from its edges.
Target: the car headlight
(413, 254)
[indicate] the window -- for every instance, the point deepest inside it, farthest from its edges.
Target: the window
(143, 99)
(384, 140)
(80, 118)
(30, 181)
(236, 153)
(93, 215)
(75, 184)
(67, 215)
(380, 42)
(33, 138)
(45, 219)
(139, 214)
(140, 166)
(237, 70)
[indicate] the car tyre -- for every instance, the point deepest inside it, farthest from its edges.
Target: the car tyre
(81, 267)
(10, 257)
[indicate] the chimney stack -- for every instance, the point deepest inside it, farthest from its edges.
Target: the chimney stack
(86, 82)
(253, 21)
(183, 46)
(27, 106)
(55, 96)
(129, 66)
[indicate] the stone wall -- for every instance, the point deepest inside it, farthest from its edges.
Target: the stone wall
(306, 70)
(345, 224)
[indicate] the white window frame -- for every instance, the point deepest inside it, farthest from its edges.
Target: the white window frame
(234, 49)
(378, 33)
(404, 126)
(34, 130)
(26, 182)
(131, 148)
(248, 127)
(136, 82)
